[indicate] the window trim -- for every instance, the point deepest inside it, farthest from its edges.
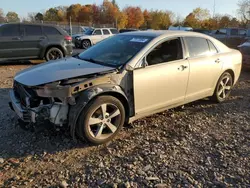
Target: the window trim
(200, 56)
(24, 30)
(139, 63)
(19, 30)
(217, 51)
(43, 31)
(106, 30)
(95, 31)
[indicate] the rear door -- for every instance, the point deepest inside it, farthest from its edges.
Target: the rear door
(106, 33)
(205, 67)
(10, 41)
(32, 39)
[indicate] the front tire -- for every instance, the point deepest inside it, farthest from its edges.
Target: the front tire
(53, 54)
(86, 44)
(101, 120)
(223, 88)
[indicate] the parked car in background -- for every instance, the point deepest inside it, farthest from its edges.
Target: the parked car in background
(33, 41)
(93, 36)
(127, 30)
(204, 31)
(124, 78)
(180, 28)
(232, 37)
(245, 50)
(77, 35)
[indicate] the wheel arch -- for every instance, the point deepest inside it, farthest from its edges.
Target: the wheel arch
(231, 72)
(53, 46)
(91, 94)
(88, 40)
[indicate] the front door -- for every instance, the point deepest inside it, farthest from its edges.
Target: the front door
(162, 81)
(10, 41)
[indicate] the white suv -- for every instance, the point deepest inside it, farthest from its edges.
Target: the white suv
(93, 36)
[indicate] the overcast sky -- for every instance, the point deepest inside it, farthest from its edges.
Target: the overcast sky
(183, 7)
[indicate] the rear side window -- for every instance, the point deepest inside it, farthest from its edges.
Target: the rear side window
(213, 49)
(10, 30)
(33, 30)
(105, 32)
(50, 31)
(197, 46)
(114, 31)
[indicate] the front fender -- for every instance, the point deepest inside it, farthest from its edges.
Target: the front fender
(86, 96)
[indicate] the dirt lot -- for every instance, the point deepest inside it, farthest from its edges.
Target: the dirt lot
(200, 144)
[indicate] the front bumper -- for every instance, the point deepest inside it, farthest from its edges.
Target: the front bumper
(56, 113)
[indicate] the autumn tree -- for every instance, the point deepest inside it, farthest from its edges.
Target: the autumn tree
(96, 11)
(85, 14)
(135, 17)
(54, 14)
(196, 18)
(2, 18)
(160, 20)
(73, 12)
(147, 18)
(12, 17)
(122, 20)
(109, 12)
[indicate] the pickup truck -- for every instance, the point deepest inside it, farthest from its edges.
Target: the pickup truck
(232, 37)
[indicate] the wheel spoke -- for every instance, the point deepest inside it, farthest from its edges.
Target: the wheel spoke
(112, 127)
(116, 113)
(222, 83)
(227, 87)
(220, 91)
(226, 82)
(223, 94)
(99, 131)
(104, 110)
(94, 121)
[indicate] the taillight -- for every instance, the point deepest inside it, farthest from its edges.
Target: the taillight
(68, 38)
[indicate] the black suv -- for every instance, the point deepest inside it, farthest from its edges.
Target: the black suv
(34, 41)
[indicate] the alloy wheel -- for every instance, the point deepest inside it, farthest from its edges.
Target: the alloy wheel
(104, 121)
(54, 55)
(224, 87)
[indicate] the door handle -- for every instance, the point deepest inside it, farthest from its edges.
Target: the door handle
(182, 68)
(217, 61)
(16, 38)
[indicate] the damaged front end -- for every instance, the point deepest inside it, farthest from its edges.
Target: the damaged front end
(50, 102)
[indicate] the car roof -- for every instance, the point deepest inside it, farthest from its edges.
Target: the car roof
(164, 33)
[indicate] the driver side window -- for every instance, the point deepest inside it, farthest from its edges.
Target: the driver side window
(97, 32)
(167, 51)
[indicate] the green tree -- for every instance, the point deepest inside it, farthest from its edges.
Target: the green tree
(12, 17)
(39, 16)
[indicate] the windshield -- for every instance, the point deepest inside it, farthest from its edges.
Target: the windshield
(115, 51)
(89, 32)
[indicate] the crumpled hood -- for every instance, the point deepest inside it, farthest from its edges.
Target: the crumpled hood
(58, 70)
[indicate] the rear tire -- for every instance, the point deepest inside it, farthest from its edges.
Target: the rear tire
(101, 120)
(53, 54)
(223, 88)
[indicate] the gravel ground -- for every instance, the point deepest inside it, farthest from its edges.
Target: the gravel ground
(199, 145)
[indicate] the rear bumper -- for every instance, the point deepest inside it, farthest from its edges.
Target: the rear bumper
(69, 50)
